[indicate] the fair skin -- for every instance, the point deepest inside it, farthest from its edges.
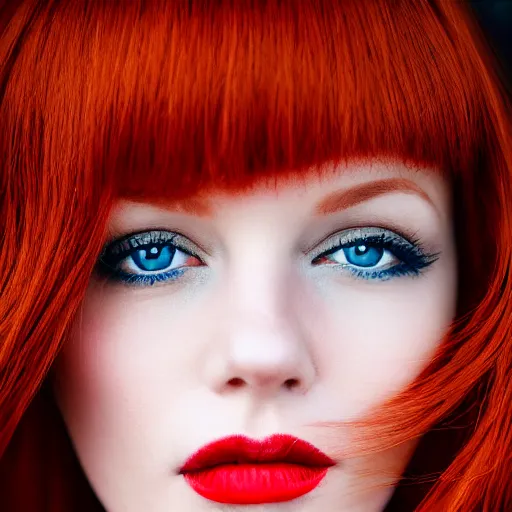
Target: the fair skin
(264, 332)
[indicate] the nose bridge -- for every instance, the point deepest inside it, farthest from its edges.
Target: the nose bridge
(261, 295)
(259, 276)
(260, 289)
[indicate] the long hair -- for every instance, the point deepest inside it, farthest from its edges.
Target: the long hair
(151, 99)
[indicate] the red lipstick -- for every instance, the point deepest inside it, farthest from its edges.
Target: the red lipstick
(239, 470)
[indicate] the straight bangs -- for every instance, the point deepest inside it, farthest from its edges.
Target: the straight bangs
(172, 98)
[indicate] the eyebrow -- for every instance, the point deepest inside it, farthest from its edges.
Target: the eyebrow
(197, 206)
(335, 202)
(341, 200)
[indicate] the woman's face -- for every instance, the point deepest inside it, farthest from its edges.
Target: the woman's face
(255, 315)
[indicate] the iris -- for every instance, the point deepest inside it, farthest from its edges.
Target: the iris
(156, 258)
(364, 255)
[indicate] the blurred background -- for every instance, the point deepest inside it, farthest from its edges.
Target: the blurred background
(496, 19)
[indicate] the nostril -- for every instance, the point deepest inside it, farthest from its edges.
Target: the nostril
(236, 382)
(291, 383)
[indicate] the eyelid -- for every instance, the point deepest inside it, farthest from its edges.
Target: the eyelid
(408, 235)
(176, 239)
(354, 234)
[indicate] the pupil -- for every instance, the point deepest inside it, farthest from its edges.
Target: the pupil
(152, 254)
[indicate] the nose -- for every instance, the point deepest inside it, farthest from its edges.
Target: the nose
(262, 356)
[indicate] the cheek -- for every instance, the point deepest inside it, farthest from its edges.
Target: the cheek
(121, 373)
(375, 338)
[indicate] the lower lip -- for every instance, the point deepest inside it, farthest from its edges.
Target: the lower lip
(251, 484)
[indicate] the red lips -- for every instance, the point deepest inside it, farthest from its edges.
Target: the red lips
(239, 470)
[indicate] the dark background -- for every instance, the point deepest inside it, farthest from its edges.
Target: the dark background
(495, 17)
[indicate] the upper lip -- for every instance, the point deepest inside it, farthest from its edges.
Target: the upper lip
(240, 449)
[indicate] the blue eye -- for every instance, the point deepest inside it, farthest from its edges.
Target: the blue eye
(154, 258)
(147, 258)
(364, 255)
(375, 253)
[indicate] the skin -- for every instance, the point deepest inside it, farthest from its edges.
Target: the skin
(254, 339)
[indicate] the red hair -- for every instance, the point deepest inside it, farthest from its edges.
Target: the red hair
(152, 99)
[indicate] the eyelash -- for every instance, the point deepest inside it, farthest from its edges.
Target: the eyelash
(413, 259)
(119, 250)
